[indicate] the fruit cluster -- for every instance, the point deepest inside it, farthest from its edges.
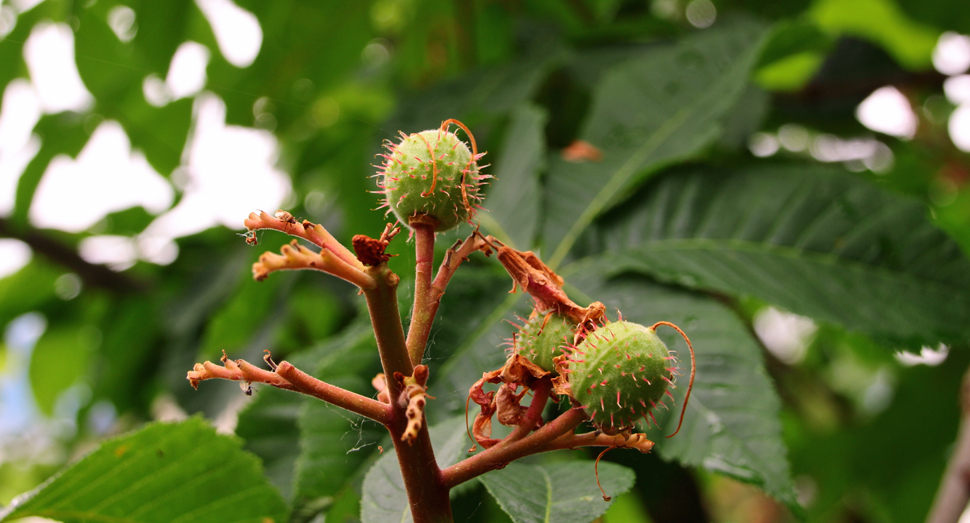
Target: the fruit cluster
(618, 372)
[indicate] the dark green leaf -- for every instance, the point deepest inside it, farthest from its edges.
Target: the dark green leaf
(513, 196)
(744, 119)
(333, 442)
(269, 425)
(131, 329)
(792, 55)
(816, 241)
(657, 109)
(793, 37)
(938, 13)
(242, 316)
(164, 473)
(556, 492)
(490, 91)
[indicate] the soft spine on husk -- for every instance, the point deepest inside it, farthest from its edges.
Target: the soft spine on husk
(432, 176)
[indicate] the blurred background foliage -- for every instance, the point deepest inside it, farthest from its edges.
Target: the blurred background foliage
(136, 136)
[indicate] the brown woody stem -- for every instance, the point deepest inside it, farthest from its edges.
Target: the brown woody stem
(427, 296)
(508, 451)
(93, 275)
(427, 493)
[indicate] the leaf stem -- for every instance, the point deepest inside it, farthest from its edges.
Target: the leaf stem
(427, 299)
(425, 306)
(508, 451)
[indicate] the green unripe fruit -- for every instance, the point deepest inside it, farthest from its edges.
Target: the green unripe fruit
(431, 174)
(542, 338)
(619, 373)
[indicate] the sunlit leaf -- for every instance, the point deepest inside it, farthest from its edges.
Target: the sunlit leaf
(881, 21)
(163, 473)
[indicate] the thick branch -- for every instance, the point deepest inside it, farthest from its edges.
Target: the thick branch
(951, 500)
(303, 382)
(93, 275)
(427, 494)
(506, 451)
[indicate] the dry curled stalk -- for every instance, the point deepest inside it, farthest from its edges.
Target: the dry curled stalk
(545, 286)
(286, 376)
(313, 233)
(413, 398)
(295, 256)
(235, 370)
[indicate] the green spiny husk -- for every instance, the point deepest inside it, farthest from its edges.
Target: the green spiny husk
(542, 338)
(409, 170)
(618, 374)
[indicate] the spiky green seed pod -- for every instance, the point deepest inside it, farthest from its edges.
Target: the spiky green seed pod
(432, 174)
(542, 338)
(619, 373)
